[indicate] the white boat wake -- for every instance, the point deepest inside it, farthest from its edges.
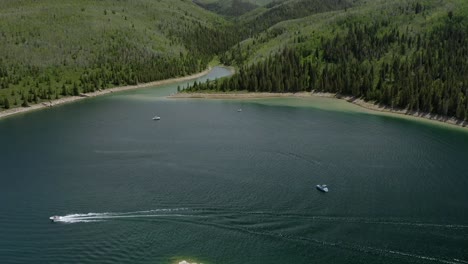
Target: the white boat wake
(98, 217)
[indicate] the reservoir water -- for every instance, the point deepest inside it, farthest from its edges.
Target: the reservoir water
(209, 184)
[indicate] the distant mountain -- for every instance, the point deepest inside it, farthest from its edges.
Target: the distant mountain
(233, 7)
(278, 11)
(227, 7)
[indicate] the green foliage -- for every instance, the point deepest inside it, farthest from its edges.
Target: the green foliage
(279, 73)
(426, 72)
(281, 11)
(25, 103)
(228, 7)
(377, 61)
(48, 46)
(6, 103)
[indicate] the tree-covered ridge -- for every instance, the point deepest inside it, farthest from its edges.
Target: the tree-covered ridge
(228, 7)
(233, 8)
(280, 11)
(425, 71)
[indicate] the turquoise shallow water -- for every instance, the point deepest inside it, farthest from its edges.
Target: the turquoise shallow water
(209, 184)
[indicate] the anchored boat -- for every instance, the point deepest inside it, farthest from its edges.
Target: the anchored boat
(322, 188)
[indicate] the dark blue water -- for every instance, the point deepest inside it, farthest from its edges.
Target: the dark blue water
(209, 184)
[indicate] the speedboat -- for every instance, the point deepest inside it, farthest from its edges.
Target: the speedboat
(239, 110)
(55, 218)
(322, 188)
(156, 118)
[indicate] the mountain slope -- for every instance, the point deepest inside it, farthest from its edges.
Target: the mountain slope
(401, 54)
(49, 47)
(232, 7)
(227, 7)
(47, 31)
(279, 11)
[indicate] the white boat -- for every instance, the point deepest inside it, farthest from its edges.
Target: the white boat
(239, 110)
(322, 188)
(156, 118)
(55, 218)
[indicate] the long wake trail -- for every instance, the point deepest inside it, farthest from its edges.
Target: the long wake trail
(98, 217)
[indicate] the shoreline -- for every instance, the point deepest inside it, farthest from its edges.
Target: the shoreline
(405, 112)
(235, 95)
(71, 99)
(372, 107)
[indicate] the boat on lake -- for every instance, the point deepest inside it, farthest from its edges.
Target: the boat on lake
(156, 118)
(55, 218)
(322, 188)
(239, 110)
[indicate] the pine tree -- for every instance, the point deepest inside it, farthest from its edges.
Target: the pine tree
(76, 91)
(25, 103)
(64, 90)
(6, 103)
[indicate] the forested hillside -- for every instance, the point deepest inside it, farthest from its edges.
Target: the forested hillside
(227, 7)
(404, 54)
(50, 49)
(233, 8)
(278, 11)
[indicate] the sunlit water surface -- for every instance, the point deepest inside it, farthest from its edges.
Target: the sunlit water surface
(210, 184)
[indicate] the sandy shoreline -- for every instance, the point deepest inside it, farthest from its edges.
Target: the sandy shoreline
(238, 95)
(70, 99)
(406, 112)
(357, 101)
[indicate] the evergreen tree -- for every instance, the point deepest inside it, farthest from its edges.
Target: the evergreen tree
(6, 103)
(76, 91)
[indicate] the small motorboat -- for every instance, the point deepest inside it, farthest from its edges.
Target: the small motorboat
(322, 188)
(156, 118)
(55, 218)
